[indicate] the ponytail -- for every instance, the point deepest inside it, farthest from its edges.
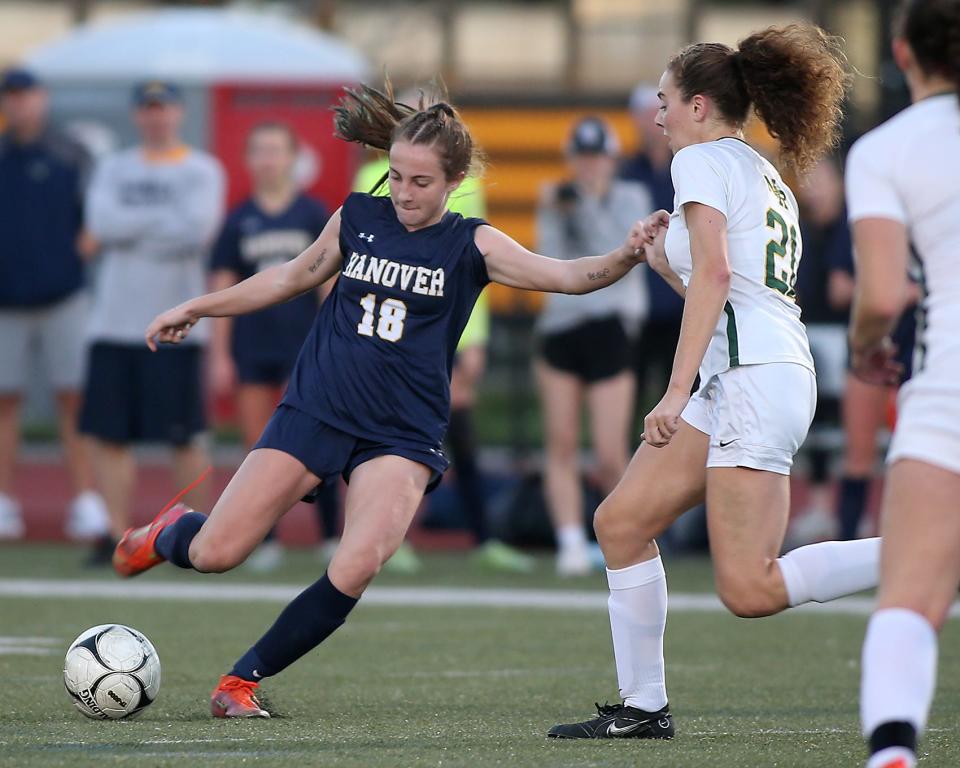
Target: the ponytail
(794, 77)
(376, 119)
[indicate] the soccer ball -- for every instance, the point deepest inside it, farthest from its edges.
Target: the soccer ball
(111, 672)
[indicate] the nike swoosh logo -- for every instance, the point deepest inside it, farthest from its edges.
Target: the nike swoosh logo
(612, 729)
(256, 674)
(725, 444)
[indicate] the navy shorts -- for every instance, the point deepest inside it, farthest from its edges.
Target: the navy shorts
(327, 451)
(135, 395)
(273, 373)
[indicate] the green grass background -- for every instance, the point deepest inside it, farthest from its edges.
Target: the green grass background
(448, 686)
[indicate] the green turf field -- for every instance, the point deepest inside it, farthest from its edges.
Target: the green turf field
(442, 686)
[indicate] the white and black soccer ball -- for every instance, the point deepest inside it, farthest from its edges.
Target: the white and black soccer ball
(111, 672)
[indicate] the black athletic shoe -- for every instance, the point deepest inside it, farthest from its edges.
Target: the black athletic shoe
(616, 721)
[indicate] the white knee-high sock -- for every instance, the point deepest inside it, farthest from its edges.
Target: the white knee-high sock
(899, 670)
(638, 617)
(831, 569)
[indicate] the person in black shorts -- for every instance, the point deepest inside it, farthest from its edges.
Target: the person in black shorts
(152, 211)
(369, 397)
(254, 354)
(584, 355)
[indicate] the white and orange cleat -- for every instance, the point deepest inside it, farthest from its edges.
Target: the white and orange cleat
(234, 697)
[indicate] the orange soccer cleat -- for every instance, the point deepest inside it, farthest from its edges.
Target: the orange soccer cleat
(234, 697)
(135, 554)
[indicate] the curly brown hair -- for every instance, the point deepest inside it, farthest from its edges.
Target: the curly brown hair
(375, 118)
(932, 28)
(795, 78)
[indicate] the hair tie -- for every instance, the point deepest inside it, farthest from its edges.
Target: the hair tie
(736, 59)
(442, 106)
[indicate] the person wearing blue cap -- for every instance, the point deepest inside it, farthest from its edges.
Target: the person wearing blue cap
(584, 354)
(153, 211)
(43, 307)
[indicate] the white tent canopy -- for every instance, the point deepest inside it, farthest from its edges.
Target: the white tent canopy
(199, 45)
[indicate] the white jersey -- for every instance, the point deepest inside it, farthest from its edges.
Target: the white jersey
(908, 170)
(761, 320)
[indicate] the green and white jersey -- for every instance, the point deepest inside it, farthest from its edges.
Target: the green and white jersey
(760, 322)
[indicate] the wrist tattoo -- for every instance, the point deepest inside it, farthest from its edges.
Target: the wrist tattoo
(322, 257)
(600, 275)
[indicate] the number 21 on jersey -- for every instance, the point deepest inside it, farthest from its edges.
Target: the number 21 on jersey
(781, 261)
(389, 325)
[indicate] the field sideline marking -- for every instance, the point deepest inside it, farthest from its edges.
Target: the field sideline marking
(449, 597)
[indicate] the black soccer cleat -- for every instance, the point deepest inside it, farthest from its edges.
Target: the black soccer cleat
(617, 721)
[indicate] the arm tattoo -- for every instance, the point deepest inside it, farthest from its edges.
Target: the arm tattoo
(600, 275)
(322, 257)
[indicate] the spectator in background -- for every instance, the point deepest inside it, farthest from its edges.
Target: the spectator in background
(43, 307)
(650, 166)
(469, 364)
(152, 211)
(825, 288)
(585, 341)
(254, 354)
(824, 293)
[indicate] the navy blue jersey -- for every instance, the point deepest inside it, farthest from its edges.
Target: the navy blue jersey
(377, 362)
(41, 214)
(252, 240)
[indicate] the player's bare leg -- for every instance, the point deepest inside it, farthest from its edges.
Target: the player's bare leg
(920, 572)
(382, 499)
(266, 485)
(264, 488)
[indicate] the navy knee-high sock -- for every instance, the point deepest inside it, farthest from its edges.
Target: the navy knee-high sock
(853, 501)
(306, 622)
(173, 543)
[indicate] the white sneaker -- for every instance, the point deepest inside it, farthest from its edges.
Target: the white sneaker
(87, 517)
(11, 519)
(267, 557)
(574, 561)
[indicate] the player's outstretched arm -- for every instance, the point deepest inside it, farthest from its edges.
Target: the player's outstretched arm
(511, 264)
(317, 264)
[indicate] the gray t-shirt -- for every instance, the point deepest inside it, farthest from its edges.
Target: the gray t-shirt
(155, 221)
(591, 226)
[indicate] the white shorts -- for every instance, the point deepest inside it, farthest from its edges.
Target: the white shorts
(928, 426)
(828, 345)
(55, 333)
(757, 416)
